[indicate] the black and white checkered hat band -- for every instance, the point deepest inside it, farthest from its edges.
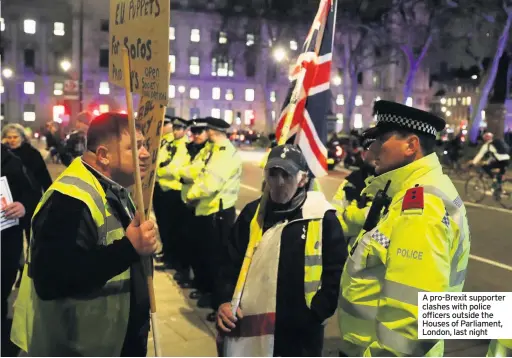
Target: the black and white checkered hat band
(406, 122)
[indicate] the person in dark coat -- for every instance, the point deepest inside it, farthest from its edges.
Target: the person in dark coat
(12, 237)
(293, 282)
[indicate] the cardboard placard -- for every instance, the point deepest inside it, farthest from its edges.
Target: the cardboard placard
(150, 119)
(142, 27)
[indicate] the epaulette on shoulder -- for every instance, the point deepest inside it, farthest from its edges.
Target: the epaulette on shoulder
(413, 199)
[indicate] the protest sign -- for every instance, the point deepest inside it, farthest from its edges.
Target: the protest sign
(150, 116)
(6, 199)
(142, 28)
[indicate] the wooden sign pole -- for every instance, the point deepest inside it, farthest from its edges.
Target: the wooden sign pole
(138, 195)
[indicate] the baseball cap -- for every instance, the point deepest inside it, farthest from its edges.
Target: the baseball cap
(288, 157)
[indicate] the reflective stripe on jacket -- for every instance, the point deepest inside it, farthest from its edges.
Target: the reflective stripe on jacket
(378, 312)
(91, 325)
(189, 173)
(219, 180)
(174, 157)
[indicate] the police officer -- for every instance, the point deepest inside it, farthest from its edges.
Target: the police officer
(416, 227)
(500, 348)
(174, 156)
(199, 140)
(75, 143)
(214, 194)
(159, 206)
(351, 206)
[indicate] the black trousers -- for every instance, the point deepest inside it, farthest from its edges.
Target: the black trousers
(501, 165)
(209, 244)
(12, 245)
(175, 208)
(159, 209)
(184, 245)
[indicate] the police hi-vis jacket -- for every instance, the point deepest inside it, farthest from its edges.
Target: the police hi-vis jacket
(173, 158)
(421, 244)
(219, 180)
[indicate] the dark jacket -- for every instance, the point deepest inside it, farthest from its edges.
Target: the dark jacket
(357, 179)
(21, 189)
(298, 329)
(194, 149)
(34, 162)
(68, 261)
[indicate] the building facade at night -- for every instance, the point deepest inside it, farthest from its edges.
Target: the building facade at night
(239, 74)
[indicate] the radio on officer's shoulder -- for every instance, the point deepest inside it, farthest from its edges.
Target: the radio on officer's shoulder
(380, 201)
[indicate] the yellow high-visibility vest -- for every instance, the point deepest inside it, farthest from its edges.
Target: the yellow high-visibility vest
(92, 325)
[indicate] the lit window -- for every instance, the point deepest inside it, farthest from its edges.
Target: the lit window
(293, 45)
(29, 87)
(273, 113)
(172, 35)
(172, 62)
(272, 96)
(468, 100)
(223, 37)
(104, 108)
(249, 95)
(339, 118)
(58, 29)
(449, 103)
(359, 100)
(228, 116)
(483, 115)
(2, 89)
(409, 102)
(337, 80)
(463, 101)
(340, 100)
(248, 117)
(229, 95)
(172, 91)
(250, 39)
(459, 89)
(216, 93)
(358, 121)
(29, 26)
(222, 67)
(194, 65)
(57, 112)
(58, 88)
(2, 24)
(215, 112)
(29, 116)
(194, 93)
(104, 88)
(195, 35)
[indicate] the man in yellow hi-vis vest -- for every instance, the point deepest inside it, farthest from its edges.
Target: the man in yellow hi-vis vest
(292, 284)
(174, 155)
(416, 228)
(84, 290)
(214, 195)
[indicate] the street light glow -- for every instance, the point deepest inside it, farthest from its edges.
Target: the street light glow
(279, 54)
(7, 72)
(181, 89)
(336, 80)
(474, 77)
(65, 65)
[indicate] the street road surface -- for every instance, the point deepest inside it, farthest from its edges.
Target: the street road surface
(490, 266)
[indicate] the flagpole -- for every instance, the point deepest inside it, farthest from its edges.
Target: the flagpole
(285, 130)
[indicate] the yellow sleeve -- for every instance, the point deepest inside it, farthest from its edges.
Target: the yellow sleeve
(191, 171)
(179, 160)
(419, 244)
(220, 168)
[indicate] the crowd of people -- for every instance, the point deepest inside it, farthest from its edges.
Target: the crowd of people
(84, 286)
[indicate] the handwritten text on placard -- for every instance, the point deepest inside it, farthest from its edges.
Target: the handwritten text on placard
(142, 27)
(150, 116)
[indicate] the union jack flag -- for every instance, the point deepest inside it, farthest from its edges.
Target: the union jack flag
(309, 90)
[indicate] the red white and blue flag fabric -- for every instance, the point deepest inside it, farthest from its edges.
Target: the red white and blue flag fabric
(310, 81)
